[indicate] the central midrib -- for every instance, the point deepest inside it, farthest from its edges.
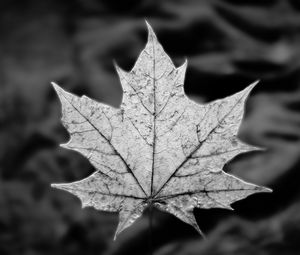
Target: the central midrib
(154, 120)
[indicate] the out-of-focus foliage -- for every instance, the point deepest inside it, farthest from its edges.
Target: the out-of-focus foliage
(275, 235)
(229, 44)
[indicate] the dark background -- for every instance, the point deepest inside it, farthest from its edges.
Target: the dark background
(228, 43)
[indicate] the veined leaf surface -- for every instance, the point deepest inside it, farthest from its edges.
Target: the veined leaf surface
(159, 148)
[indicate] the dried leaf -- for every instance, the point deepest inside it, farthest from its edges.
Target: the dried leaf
(159, 148)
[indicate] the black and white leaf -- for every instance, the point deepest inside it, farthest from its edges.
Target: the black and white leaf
(159, 148)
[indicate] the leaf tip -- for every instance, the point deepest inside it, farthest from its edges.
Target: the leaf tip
(249, 148)
(55, 86)
(258, 148)
(147, 24)
(84, 205)
(115, 237)
(184, 64)
(55, 186)
(252, 85)
(119, 70)
(200, 232)
(245, 92)
(115, 63)
(64, 145)
(263, 189)
(151, 34)
(118, 231)
(228, 207)
(267, 190)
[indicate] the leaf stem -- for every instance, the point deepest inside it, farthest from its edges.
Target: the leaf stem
(150, 230)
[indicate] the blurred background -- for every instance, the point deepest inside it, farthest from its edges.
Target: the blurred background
(228, 44)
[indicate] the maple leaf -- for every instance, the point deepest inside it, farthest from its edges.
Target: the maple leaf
(159, 148)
